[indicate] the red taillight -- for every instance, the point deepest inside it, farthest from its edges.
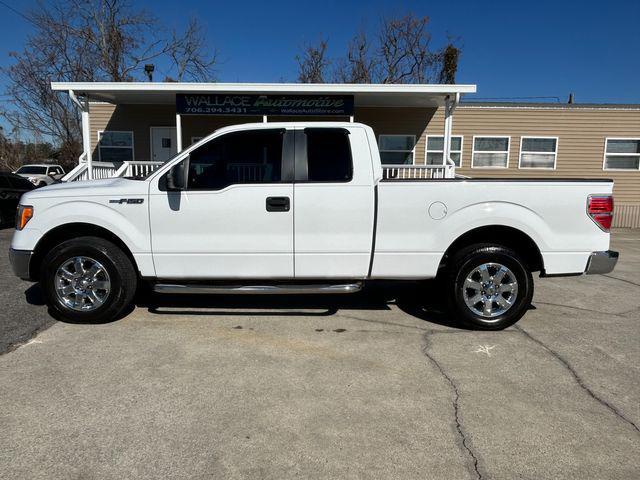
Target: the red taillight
(600, 209)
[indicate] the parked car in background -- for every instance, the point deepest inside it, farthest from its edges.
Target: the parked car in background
(11, 189)
(42, 174)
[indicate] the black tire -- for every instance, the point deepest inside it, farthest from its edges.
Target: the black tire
(42, 184)
(122, 276)
(467, 261)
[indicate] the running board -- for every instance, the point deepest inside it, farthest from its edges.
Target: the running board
(258, 289)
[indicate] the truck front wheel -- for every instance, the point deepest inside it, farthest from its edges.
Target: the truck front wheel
(489, 287)
(88, 279)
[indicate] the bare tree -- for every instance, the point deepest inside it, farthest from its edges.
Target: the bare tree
(359, 66)
(14, 152)
(400, 53)
(90, 40)
(404, 51)
(10, 154)
(313, 63)
(121, 39)
(51, 53)
(190, 56)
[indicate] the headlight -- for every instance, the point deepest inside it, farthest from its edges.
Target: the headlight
(23, 215)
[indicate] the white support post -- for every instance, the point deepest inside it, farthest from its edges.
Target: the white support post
(178, 133)
(264, 119)
(447, 131)
(86, 138)
(86, 131)
(351, 119)
(449, 107)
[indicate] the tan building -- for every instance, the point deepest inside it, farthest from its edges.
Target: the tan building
(143, 124)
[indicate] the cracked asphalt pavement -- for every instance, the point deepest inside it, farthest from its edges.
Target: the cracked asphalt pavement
(336, 388)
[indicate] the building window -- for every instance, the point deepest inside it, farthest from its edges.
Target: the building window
(397, 149)
(115, 146)
(538, 152)
(435, 150)
(622, 154)
(490, 152)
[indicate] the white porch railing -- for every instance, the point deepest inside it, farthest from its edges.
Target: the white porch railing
(138, 168)
(417, 172)
(76, 174)
(102, 170)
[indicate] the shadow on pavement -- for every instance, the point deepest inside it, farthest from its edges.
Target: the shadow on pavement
(418, 301)
(421, 301)
(33, 295)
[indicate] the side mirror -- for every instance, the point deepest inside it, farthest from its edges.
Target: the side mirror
(177, 177)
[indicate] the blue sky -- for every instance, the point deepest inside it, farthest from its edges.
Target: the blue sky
(510, 48)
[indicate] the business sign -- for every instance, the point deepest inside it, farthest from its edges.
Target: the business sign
(234, 104)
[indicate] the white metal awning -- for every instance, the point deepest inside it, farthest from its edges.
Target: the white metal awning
(364, 95)
(382, 95)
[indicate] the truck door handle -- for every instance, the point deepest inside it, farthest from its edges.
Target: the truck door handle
(278, 204)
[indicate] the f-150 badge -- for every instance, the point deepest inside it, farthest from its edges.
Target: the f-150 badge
(128, 201)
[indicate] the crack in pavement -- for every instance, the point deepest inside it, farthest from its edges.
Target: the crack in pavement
(578, 379)
(622, 280)
(381, 322)
(628, 312)
(456, 406)
(600, 312)
(450, 331)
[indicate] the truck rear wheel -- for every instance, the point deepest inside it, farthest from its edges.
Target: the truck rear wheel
(88, 279)
(489, 287)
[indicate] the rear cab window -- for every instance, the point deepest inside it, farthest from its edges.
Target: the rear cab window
(329, 156)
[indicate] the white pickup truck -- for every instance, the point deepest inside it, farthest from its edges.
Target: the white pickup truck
(304, 208)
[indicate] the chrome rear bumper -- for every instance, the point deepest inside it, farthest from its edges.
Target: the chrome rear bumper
(602, 262)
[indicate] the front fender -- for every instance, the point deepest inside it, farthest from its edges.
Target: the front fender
(130, 222)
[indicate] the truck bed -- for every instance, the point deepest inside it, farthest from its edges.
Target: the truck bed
(418, 219)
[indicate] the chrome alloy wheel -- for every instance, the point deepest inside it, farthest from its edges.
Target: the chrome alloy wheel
(490, 290)
(82, 283)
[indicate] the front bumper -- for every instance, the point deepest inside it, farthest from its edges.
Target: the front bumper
(20, 260)
(602, 262)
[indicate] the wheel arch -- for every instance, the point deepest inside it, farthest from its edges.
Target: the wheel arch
(68, 231)
(503, 235)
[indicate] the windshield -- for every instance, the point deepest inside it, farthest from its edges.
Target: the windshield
(32, 170)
